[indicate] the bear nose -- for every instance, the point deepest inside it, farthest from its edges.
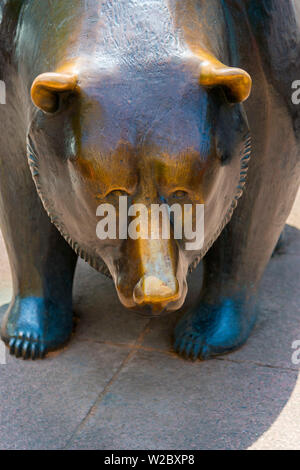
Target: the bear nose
(150, 290)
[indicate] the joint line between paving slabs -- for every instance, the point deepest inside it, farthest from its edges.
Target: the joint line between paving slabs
(135, 348)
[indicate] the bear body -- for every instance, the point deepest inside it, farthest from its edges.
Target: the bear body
(132, 98)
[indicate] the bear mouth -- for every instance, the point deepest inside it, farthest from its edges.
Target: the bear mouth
(95, 261)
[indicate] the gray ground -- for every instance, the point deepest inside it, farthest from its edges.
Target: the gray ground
(118, 385)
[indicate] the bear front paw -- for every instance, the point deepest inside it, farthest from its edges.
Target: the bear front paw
(31, 327)
(210, 330)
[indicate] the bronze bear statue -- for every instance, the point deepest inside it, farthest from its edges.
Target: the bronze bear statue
(132, 99)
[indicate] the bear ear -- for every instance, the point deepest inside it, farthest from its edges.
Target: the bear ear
(47, 87)
(236, 82)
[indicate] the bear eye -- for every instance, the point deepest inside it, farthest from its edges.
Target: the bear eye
(179, 194)
(118, 193)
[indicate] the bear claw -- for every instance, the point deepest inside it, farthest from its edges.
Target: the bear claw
(188, 348)
(27, 347)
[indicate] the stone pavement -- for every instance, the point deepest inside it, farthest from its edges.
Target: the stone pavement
(118, 385)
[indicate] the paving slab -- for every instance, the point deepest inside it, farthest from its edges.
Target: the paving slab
(43, 402)
(161, 402)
